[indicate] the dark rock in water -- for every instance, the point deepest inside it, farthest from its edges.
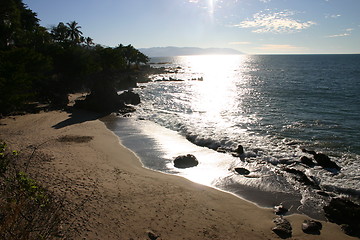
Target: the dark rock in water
(240, 150)
(311, 227)
(280, 210)
(346, 213)
(307, 161)
(242, 171)
(324, 161)
(185, 161)
(308, 151)
(302, 178)
(282, 227)
(130, 97)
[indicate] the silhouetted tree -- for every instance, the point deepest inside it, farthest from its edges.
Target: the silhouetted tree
(74, 32)
(60, 33)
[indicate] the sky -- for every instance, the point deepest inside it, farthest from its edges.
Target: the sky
(250, 26)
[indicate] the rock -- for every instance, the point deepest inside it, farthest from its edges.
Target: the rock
(240, 150)
(280, 210)
(345, 212)
(282, 227)
(129, 97)
(185, 161)
(221, 150)
(308, 151)
(311, 227)
(324, 161)
(301, 177)
(103, 99)
(307, 161)
(242, 171)
(152, 235)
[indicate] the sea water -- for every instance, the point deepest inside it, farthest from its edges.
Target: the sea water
(272, 105)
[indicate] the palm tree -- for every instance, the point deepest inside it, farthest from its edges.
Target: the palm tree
(74, 32)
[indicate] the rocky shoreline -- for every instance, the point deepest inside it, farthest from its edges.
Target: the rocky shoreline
(105, 99)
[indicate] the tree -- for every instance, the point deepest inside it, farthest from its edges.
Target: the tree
(17, 24)
(60, 33)
(74, 32)
(89, 41)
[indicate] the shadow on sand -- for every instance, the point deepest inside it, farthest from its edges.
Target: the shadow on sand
(79, 116)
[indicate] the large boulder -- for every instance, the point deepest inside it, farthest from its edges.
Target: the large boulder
(242, 171)
(311, 227)
(324, 161)
(186, 161)
(345, 213)
(282, 227)
(130, 97)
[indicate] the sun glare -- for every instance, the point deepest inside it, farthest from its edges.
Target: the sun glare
(215, 92)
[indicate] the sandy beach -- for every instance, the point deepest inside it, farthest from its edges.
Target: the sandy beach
(117, 198)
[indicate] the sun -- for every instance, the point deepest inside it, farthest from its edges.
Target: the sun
(211, 6)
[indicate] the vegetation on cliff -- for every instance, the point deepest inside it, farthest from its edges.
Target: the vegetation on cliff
(39, 64)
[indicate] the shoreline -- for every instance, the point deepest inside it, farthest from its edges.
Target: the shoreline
(126, 200)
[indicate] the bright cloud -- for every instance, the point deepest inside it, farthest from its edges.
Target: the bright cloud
(279, 22)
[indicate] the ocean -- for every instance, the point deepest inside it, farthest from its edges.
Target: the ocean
(273, 105)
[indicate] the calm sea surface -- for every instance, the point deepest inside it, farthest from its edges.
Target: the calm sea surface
(272, 105)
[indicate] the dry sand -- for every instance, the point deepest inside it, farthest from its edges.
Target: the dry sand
(116, 198)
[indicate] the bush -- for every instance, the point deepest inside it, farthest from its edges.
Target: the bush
(27, 210)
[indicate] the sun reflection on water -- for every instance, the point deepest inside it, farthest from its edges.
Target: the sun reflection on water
(218, 91)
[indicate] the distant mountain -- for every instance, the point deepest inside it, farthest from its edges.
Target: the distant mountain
(180, 51)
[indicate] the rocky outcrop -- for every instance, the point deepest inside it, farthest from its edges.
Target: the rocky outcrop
(104, 99)
(311, 227)
(307, 161)
(324, 161)
(129, 97)
(321, 159)
(186, 161)
(345, 213)
(301, 177)
(282, 227)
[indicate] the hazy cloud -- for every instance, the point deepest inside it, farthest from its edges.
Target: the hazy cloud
(339, 35)
(239, 43)
(332, 16)
(265, 1)
(280, 48)
(278, 22)
(346, 33)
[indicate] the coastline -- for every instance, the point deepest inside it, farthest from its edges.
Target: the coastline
(124, 200)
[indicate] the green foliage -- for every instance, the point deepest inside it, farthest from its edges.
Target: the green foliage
(4, 161)
(23, 71)
(38, 65)
(27, 210)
